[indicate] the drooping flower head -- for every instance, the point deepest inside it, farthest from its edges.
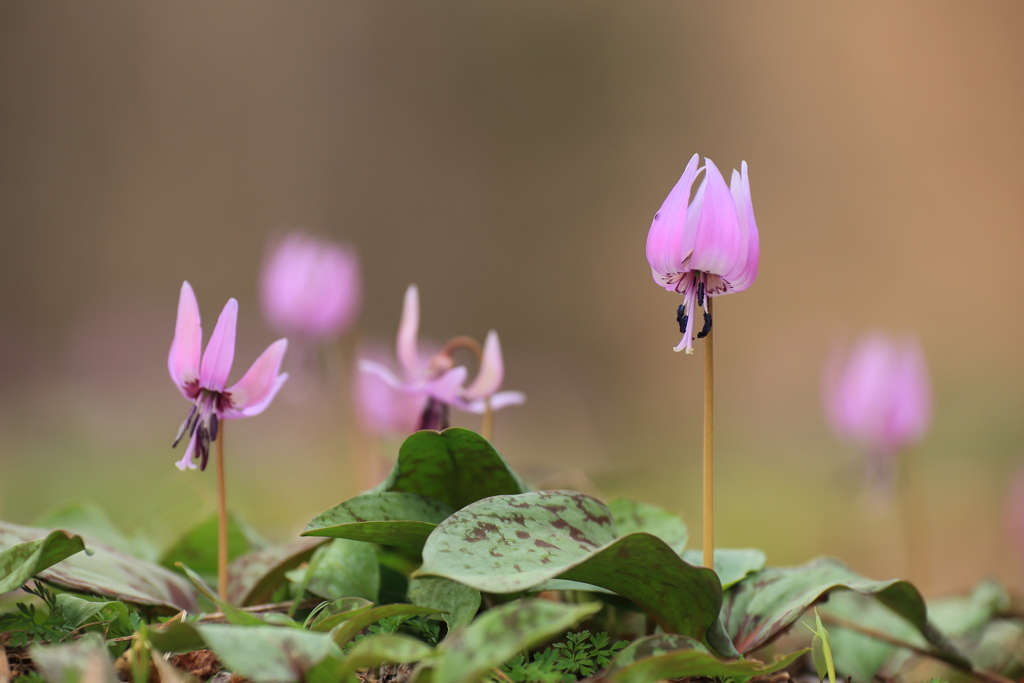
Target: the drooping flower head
(203, 380)
(383, 410)
(879, 398)
(437, 378)
(310, 287)
(705, 247)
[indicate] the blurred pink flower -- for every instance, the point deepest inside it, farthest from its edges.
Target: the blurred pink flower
(705, 247)
(310, 287)
(436, 379)
(880, 397)
(382, 409)
(203, 382)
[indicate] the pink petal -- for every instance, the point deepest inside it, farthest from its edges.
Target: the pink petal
(382, 409)
(383, 372)
(183, 360)
(492, 370)
(718, 242)
(254, 392)
(666, 238)
(746, 271)
(910, 414)
(220, 350)
(448, 387)
(408, 330)
(502, 399)
(186, 460)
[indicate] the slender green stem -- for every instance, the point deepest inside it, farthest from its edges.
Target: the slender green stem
(709, 449)
(222, 518)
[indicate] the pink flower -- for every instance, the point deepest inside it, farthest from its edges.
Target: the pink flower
(203, 382)
(435, 377)
(310, 287)
(382, 409)
(880, 398)
(705, 247)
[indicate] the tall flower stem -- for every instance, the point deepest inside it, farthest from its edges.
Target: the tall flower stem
(709, 449)
(487, 422)
(222, 519)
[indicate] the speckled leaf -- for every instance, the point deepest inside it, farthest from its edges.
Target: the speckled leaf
(731, 564)
(506, 544)
(350, 628)
(631, 516)
(253, 577)
(455, 467)
(108, 572)
(271, 654)
(388, 518)
(197, 547)
(765, 603)
(22, 561)
(458, 603)
(502, 632)
(341, 569)
(658, 657)
(85, 661)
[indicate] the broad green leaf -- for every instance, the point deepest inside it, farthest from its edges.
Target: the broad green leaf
(962, 615)
(110, 573)
(178, 637)
(731, 564)
(564, 585)
(91, 521)
(658, 657)
(362, 618)
(507, 544)
(378, 649)
(19, 562)
(253, 577)
(500, 633)
(388, 518)
(631, 516)
(197, 547)
(763, 604)
(84, 661)
(856, 654)
(78, 611)
(458, 603)
(339, 569)
(455, 467)
(331, 614)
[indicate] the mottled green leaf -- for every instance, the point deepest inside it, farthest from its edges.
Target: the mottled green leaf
(84, 661)
(108, 572)
(197, 547)
(341, 569)
(658, 657)
(90, 520)
(456, 467)
(458, 603)
(388, 518)
(731, 564)
(631, 516)
(500, 633)
(507, 544)
(253, 577)
(362, 618)
(763, 604)
(21, 561)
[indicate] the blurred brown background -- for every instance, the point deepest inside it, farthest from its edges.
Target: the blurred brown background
(508, 157)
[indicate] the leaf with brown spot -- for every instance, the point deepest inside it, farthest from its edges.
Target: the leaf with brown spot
(253, 577)
(578, 543)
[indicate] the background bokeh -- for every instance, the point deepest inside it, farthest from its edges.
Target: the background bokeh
(508, 157)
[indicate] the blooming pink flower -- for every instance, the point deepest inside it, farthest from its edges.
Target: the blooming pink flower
(705, 247)
(435, 378)
(203, 381)
(382, 409)
(880, 398)
(310, 287)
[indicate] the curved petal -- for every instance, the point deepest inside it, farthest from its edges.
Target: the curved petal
(183, 360)
(746, 271)
(259, 382)
(718, 242)
(382, 371)
(502, 399)
(666, 236)
(448, 387)
(260, 406)
(220, 350)
(492, 370)
(408, 330)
